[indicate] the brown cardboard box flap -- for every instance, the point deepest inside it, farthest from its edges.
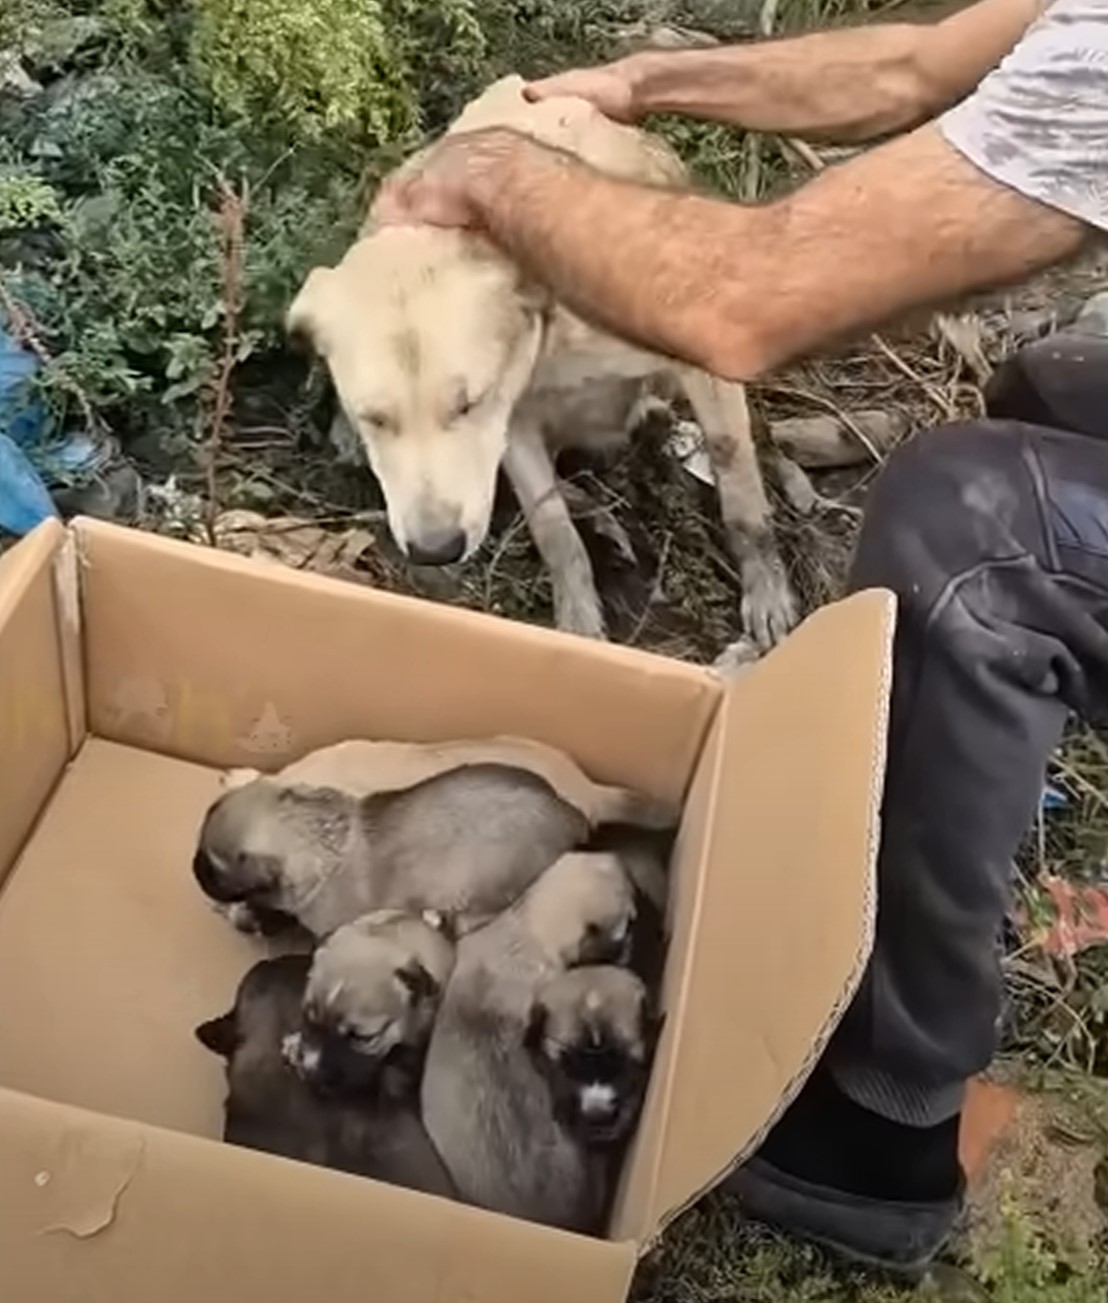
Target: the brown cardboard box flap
(35, 717)
(96, 1210)
(783, 920)
(230, 662)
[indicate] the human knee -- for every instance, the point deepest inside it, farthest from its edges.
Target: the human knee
(937, 505)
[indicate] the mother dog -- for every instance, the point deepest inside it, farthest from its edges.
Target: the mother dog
(449, 366)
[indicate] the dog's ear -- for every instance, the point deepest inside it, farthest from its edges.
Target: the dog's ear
(535, 297)
(536, 1028)
(654, 1021)
(418, 982)
(220, 1035)
(306, 319)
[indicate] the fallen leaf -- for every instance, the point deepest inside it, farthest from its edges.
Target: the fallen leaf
(295, 542)
(1082, 918)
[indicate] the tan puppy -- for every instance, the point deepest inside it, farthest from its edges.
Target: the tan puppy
(486, 1105)
(449, 366)
(372, 994)
(592, 1031)
(461, 827)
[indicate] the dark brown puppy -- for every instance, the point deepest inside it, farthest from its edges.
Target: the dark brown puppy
(270, 1108)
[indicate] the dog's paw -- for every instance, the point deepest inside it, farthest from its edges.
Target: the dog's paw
(738, 656)
(232, 778)
(579, 614)
(243, 919)
(769, 608)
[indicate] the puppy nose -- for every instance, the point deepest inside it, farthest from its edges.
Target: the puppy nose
(437, 547)
(210, 881)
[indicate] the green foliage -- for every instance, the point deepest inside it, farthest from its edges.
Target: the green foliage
(26, 200)
(20, 19)
(316, 65)
(131, 302)
(1025, 1268)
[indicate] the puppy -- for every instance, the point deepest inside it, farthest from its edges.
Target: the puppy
(371, 997)
(269, 1108)
(486, 1106)
(644, 854)
(465, 843)
(592, 1033)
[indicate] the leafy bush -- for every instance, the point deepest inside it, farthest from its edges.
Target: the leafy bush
(309, 67)
(26, 200)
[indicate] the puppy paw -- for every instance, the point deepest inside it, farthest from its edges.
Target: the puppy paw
(232, 778)
(739, 656)
(243, 919)
(579, 614)
(769, 608)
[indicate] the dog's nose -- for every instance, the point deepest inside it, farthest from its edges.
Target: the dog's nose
(211, 881)
(438, 547)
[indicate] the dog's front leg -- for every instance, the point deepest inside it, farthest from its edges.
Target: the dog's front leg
(768, 605)
(530, 468)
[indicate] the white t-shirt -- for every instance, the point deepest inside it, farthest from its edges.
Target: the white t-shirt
(1039, 122)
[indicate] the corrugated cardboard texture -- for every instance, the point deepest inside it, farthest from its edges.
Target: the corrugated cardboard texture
(216, 659)
(96, 1211)
(109, 954)
(786, 901)
(34, 724)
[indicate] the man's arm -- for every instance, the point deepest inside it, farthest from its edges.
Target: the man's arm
(739, 290)
(852, 84)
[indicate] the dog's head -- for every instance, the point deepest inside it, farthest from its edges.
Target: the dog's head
(592, 1034)
(582, 910)
(266, 1008)
(370, 1002)
(265, 845)
(431, 338)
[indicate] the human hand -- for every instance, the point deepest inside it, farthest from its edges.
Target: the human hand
(445, 184)
(610, 87)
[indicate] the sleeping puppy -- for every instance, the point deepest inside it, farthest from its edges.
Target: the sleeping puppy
(363, 768)
(371, 997)
(644, 854)
(269, 1108)
(592, 1033)
(466, 843)
(486, 1106)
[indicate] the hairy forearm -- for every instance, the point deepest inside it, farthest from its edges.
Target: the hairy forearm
(739, 290)
(847, 85)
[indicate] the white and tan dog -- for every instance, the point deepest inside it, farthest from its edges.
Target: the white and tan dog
(449, 367)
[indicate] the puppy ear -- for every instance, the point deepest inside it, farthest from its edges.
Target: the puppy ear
(220, 1035)
(305, 322)
(653, 1024)
(418, 981)
(535, 297)
(536, 1027)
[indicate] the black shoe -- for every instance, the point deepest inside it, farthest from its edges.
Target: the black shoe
(875, 1192)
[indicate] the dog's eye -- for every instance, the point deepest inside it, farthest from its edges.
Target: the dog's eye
(465, 405)
(461, 410)
(375, 420)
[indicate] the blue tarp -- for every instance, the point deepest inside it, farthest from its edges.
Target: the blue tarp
(29, 459)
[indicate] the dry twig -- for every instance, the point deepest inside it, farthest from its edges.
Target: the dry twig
(232, 221)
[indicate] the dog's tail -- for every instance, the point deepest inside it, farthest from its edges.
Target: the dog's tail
(632, 809)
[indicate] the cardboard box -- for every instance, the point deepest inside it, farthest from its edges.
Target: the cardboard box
(133, 668)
